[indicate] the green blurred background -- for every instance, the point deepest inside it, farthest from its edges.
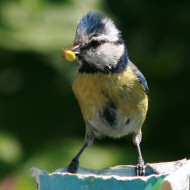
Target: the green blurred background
(40, 120)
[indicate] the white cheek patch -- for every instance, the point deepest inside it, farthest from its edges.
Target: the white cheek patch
(107, 55)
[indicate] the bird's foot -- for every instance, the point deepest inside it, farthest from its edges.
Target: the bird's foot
(73, 166)
(140, 168)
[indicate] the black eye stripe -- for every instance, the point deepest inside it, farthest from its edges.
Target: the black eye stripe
(95, 43)
(119, 41)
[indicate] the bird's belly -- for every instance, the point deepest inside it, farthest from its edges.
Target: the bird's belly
(115, 125)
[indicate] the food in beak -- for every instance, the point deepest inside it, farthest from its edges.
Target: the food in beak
(70, 53)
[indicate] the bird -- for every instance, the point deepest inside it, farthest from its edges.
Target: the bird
(110, 89)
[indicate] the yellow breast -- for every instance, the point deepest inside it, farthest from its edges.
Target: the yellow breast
(93, 91)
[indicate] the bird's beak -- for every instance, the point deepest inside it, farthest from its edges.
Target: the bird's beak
(76, 49)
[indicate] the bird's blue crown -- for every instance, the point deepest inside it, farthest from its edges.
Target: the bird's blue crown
(91, 23)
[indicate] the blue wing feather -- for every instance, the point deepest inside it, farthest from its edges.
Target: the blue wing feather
(140, 76)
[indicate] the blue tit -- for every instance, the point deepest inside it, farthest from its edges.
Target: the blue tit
(111, 91)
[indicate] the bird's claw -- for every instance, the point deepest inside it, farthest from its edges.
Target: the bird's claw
(140, 168)
(73, 166)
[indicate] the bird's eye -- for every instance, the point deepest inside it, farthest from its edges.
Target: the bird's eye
(94, 43)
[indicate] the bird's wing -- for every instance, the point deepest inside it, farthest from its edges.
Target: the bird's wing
(139, 75)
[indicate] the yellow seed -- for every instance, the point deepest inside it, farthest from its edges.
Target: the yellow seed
(70, 55)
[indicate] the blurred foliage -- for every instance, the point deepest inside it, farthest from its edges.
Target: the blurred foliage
(40, 120)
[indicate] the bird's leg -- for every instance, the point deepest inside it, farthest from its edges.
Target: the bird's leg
(140, 167)
(73, 166)
(89, 138)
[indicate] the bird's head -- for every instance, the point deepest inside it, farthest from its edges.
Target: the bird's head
(98, 45)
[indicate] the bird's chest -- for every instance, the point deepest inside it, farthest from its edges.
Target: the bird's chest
(107, 105)
(89, 94)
